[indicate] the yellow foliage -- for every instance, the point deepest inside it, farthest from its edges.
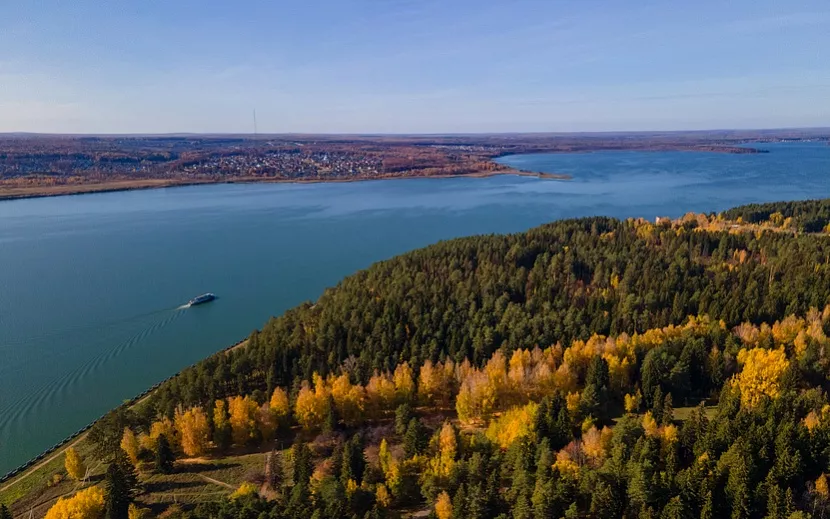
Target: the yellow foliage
(75, 466)
(194, 431)
(650, 425)
(404, 382)
(380, 394)
(312, 406)
(811, 421)
(821, 486)
(513, 424)
(382, 496)
(632, 402)
(351, 486)
(384, 456)
(443, 506)
(670, 434)
(435, 384)
(587, 424)
(349, 400)
(761, 374)
(146, 442)
(572, 402)
(86, 504)
(786, 330)
(279, 404)
(593, 446)
(565, 464)
(245, 489)
(166, 427)
(137, 512)
(130, 445)
(243, 418)
(444, 461)
(476, 397)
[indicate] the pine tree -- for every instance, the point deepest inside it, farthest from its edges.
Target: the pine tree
(354, 461)
(164, 455)
(657, 405)
(303, 466)
(120, 484)
(273, 471)
(668, 410)
(222, 431)
(707, 510)
(675, 509)
(459, 504)
(403, 415)
(416, 438)
(603, 501)
(331, 418)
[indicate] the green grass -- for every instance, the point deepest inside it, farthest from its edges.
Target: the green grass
(682, 414)
(37, 483)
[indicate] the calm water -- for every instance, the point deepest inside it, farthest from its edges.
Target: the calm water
(91, 285)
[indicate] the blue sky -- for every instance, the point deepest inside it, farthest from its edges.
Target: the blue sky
(371, 66)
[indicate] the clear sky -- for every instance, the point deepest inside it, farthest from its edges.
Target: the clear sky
(372, 66)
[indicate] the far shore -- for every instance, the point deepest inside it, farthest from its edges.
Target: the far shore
(17, 193)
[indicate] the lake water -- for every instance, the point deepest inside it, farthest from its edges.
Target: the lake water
(91, 285)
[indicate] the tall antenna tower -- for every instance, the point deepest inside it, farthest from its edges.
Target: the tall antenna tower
(255, 128)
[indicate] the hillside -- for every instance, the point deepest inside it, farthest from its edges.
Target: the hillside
(585, 368)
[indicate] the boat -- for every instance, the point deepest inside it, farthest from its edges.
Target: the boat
(204, 298)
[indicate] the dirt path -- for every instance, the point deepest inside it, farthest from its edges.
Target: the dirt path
(21, 477)
(17, 479)
(216, 481)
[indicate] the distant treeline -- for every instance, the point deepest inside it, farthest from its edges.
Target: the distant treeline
(808, 215)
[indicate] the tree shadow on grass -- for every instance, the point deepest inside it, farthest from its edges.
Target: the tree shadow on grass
(155, 487)
(199, 467)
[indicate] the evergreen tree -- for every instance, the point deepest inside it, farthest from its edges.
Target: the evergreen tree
(675, 509)
(657, 406)
(119, 485)
(416, 438)
(354, 461)
(4, 512)
(459, 504)
(331, 419)
(222, 431)
(403, 415)
(667, 411)
(603, 501)
(303, 467)
(164, 455)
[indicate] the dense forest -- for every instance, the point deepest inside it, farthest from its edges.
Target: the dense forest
(585, 368)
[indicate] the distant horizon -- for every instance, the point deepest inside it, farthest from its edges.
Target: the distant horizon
(818, 129)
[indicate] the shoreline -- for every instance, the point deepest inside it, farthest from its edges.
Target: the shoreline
(25, 470)
(22, 193)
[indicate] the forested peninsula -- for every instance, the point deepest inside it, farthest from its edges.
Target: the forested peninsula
(585, 368)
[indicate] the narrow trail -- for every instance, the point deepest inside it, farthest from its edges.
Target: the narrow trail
(26, 474)
(79, 439)
(216, 481)
(58, 453)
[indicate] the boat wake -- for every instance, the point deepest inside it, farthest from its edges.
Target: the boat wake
(59, 390)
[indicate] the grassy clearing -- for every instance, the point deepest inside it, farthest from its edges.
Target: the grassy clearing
(28, 490)
(682, 414)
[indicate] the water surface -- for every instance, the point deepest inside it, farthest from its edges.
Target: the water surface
(91, 285)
